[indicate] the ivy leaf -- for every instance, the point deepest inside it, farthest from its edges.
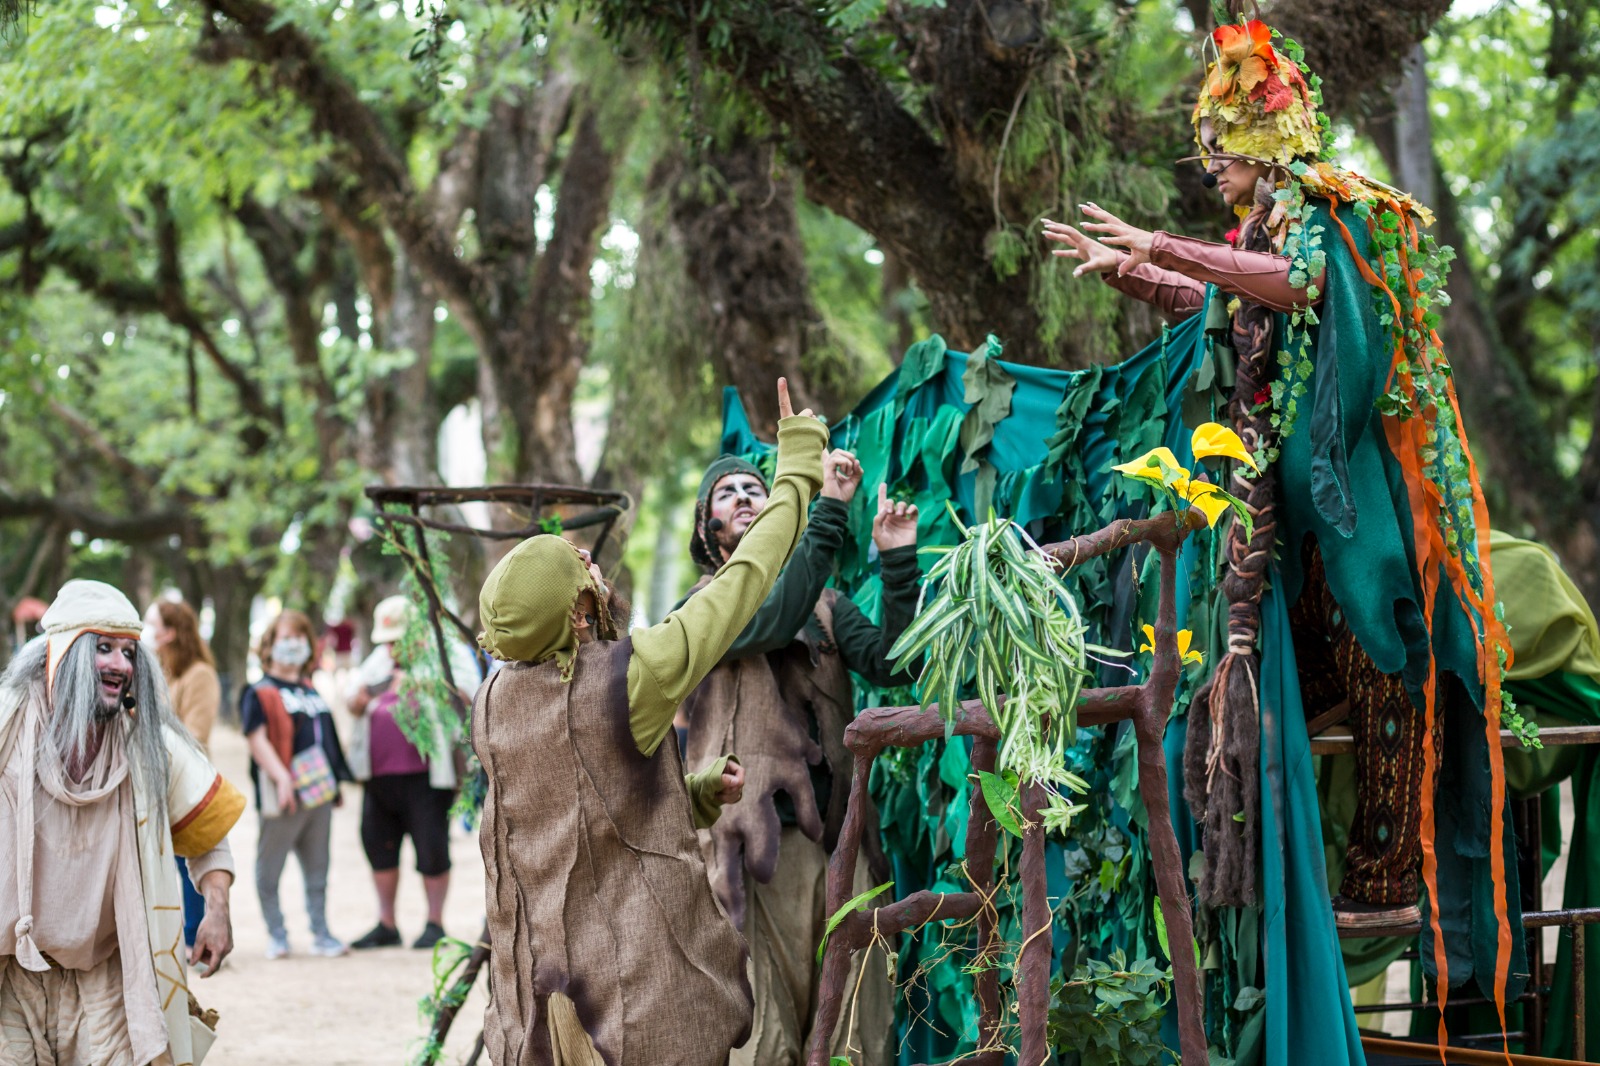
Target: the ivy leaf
(987, 387)
(857, 904)
(1000, 793)
(1161, 934)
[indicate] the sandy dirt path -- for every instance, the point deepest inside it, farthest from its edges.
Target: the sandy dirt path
(360, 1010)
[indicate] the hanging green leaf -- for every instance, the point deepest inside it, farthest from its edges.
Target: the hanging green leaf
(1001, 794)
(856, 904)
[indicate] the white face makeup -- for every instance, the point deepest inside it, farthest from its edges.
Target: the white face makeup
(113, 665)
(735, 501)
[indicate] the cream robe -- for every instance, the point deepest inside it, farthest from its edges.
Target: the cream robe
(201, 807)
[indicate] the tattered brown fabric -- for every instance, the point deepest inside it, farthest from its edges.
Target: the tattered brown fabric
(764, 708)
(596, 887)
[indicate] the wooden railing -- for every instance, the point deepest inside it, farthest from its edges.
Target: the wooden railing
(1147, 706)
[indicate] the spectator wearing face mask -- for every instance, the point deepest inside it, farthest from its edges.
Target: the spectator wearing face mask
(296, 764)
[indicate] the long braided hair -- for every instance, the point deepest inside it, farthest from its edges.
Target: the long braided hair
(1221, 755)
(703, 548)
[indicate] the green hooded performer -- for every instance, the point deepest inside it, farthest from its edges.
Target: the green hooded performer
(1368, 514)
(781, 698)
(609, 946)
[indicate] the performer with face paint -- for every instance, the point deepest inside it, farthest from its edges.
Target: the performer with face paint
(100, 785)
(782, 697)
(1369, 517)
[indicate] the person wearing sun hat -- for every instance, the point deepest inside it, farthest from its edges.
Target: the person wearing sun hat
(404, 793)
(608, 943)
(107, 786)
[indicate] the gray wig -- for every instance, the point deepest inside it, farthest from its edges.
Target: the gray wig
(76, 703)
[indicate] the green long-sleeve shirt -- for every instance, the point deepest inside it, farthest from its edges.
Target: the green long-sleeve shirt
(788, 608)
(669, 659)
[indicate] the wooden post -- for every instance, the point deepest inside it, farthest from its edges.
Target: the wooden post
(1150, 725)
(1033, 962)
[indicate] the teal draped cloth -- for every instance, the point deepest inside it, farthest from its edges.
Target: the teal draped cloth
(1288, 949)
(1037, 445)
(1300, 939)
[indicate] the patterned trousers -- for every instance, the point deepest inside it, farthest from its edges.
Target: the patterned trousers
(1384, 855)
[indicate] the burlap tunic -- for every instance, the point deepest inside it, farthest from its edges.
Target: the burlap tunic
(783, 712)
(596, 886)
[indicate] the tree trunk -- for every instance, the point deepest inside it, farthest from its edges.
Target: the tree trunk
(736, 221)
(231, 590)
(1510, 440)
(541, 343)
(897, 297)
(399, 425)
(667, 566)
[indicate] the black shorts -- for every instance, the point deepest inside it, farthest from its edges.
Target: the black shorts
(405, 805)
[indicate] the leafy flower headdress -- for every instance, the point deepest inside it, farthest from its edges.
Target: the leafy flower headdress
(1259, 99)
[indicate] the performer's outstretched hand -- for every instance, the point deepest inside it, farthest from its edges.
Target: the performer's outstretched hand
(841, 475)
(896, 524)
(1120, 234)
(1096, 258)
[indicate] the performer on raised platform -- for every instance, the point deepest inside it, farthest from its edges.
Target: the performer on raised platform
(1368, 516)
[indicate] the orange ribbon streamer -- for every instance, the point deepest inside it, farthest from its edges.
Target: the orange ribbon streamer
(1407, 438)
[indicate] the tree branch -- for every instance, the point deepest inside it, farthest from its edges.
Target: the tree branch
(266, 37)
(97, 441)
(280, 241)
(130, 529)
(863, 155)
(1355, 46)
(351, 212)
(165, 296)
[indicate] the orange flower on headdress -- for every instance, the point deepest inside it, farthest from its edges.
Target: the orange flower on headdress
(1245, 59)
(1258, 99)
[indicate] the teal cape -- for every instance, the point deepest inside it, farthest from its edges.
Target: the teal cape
(1037, 445)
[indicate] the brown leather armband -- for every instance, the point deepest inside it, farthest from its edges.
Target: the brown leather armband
(1259, 276)
(1169, 291)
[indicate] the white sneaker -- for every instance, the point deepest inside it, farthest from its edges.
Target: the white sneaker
(328, 947)
(277, 947)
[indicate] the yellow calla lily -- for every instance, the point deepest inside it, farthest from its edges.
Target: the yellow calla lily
(1205, 497)
(1150, 637)
(1185, 637)
(1148, 465)
(1213, 439)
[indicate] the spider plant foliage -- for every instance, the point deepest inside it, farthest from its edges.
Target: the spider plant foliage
(994, 616)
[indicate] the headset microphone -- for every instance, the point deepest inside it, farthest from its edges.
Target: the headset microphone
(129, 703)
(714, 525)
(1209, 180)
